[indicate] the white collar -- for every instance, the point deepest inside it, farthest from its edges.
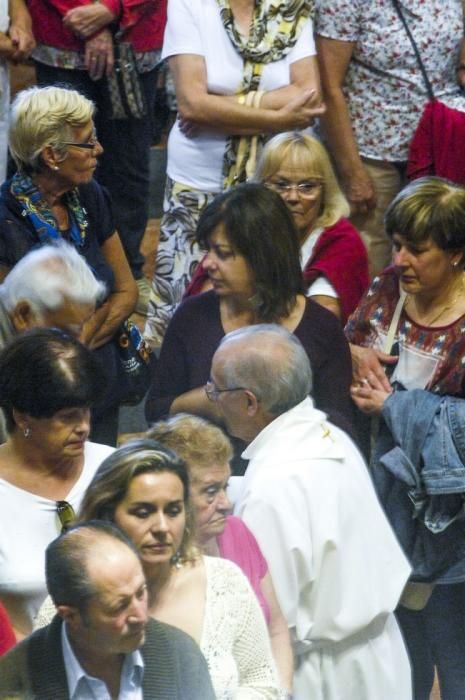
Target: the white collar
(133, 664)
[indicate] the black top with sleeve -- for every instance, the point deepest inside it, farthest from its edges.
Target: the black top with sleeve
(195, 332)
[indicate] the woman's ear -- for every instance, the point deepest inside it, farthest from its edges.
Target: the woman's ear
(50, 158)
(20, 419)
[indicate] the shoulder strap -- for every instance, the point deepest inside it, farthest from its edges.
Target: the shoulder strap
(394, 323)
(429, 88)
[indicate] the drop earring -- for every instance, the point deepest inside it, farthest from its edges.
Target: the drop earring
(26, 432)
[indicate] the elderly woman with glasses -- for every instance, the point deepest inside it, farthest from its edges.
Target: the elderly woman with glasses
(334, 259)
(53, 196)
(48, 382)
(206, 450)
(254, 267)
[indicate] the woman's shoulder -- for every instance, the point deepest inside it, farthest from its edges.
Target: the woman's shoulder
(225, 575)
(95, 453)
(342, 229)
(197, 313)
(236, 530)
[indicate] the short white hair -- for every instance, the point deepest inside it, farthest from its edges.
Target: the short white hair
(269, 361)
(49, 276)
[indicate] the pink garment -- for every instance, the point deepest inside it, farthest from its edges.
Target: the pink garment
(237, 544)
(7, 637)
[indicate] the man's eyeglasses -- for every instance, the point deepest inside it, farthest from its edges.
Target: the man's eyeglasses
(66, 515)
(213, 393)
(306, 189)
(90, 144)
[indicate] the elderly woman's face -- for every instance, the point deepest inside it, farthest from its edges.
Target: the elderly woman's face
(80, 162)
(302, 193)
(209, 500)
(62, 436)
(423, 268)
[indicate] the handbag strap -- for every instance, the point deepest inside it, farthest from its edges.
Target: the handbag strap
(388, 343)
(429, 87)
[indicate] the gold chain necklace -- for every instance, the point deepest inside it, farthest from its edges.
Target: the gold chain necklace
(444, 308)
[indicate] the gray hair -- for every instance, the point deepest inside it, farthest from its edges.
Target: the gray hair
(47, 276)
(66, 571)
(45, 116)
(272, 363)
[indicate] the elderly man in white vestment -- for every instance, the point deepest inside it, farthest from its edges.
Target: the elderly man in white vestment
(307, 496)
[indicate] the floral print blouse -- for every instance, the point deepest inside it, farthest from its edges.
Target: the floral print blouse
(383, 86)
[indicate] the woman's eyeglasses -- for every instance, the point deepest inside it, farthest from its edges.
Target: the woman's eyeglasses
(66, 514)
(306, 189)
(90, 144)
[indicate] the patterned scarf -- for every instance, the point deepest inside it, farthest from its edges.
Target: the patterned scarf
(39, 213)
(276, 26)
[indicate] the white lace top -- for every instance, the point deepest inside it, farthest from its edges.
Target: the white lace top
(235, 639)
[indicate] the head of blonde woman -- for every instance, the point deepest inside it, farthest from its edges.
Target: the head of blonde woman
(308, 159)
(45, 116)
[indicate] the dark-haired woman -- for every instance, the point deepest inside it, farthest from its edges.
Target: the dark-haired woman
(48, 382)
(253, 264)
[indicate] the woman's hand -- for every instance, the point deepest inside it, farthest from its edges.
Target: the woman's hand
(368, 367)
(98, 56)
(360, 191)
(301, 110)
(86, 20)
(368, 399)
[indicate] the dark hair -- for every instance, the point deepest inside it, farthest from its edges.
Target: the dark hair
(45, 370)
(66, 571)
(260, 227)
(114, 476)
(430, 207)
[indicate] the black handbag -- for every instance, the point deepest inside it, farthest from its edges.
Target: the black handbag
(124, 88)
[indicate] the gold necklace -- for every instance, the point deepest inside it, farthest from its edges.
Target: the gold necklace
(444, 308)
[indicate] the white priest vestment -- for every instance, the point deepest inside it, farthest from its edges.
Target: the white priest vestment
(336, 565)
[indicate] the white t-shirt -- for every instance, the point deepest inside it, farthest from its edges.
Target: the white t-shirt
(195, 27)
(28, 523)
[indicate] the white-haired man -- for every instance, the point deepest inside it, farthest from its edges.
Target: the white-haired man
(49, 287)
(102, 643)
(307, 496)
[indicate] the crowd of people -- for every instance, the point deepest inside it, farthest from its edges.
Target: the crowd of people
(289, 521)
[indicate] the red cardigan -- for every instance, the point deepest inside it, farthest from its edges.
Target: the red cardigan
(339, 255)
(438, 144)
